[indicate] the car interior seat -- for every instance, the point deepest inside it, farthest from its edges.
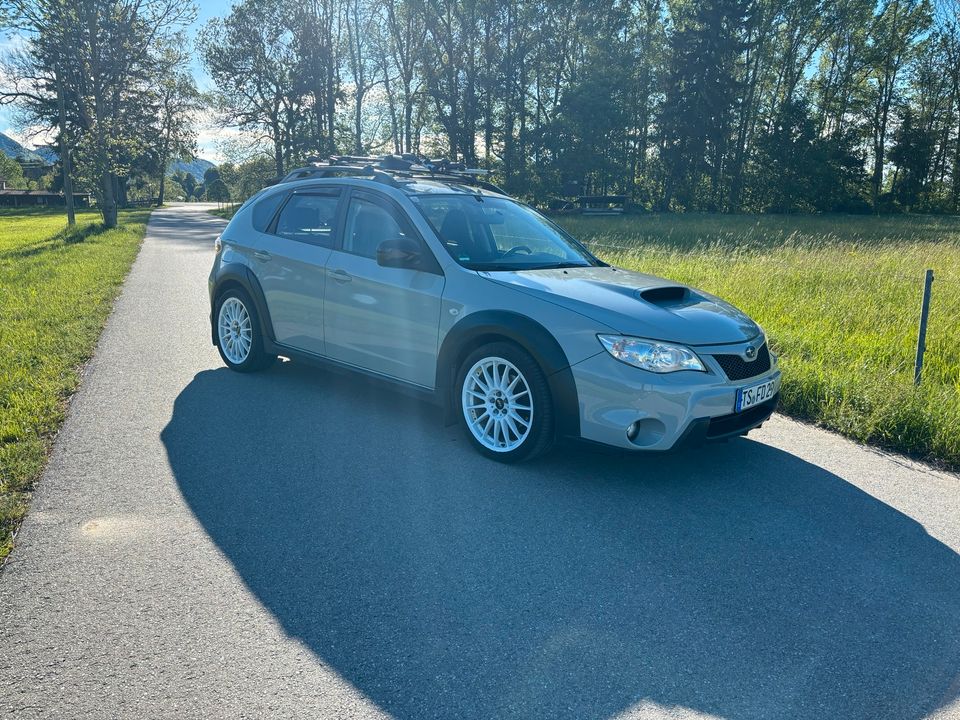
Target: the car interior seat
(370, 228)
(455, 233)
(298, 220)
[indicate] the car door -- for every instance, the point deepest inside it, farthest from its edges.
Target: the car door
(383, 319)
(290, 266)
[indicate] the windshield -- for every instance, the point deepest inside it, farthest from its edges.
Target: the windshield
(490, 233)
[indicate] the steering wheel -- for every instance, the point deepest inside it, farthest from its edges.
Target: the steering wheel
(517, 249)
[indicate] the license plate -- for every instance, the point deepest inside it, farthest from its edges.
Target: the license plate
(755, 394)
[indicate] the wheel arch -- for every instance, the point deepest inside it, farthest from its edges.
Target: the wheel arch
(238, 275)
(489, 326)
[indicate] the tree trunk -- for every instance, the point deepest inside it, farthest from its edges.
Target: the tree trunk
(120, 191)
(65, 156)
(879, 151)
(358, 123)
(278, 150)
(164, 159)
(408, 124)
(331, 111)
(956, 174)
(108, 200)
(391, 106)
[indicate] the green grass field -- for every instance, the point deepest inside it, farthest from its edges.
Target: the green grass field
(839, 297)
(56, 290)
(226, 212)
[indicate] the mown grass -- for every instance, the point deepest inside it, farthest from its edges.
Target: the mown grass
(226, 212)
(56, 290)
(839, 297)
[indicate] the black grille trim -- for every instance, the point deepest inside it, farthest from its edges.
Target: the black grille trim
(738, 423)
(736, 368)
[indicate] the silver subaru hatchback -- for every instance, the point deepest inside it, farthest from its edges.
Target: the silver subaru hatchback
(432, 278)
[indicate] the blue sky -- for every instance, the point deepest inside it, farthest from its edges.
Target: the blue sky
(205, 11)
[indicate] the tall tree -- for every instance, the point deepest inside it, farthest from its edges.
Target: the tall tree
(701, 93)
(360, 23)
(893, 42)
(104, 57)
(679, 104)
(451, 70)
(178, 100)
(318, 40)
(252, 57)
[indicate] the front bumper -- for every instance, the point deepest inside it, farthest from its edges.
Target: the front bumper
(633, 409)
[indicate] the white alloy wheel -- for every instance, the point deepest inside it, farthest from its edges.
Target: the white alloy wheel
(497, 404)
(235, 330)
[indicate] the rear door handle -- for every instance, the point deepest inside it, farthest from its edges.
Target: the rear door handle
(341, 276)
(262, 255)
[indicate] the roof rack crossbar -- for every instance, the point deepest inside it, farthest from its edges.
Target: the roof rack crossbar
(390, 167)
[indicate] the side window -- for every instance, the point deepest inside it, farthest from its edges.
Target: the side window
(309, 218)
(369, 224)
(265, 209)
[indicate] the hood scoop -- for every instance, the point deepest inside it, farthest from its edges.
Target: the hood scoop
(666, 295)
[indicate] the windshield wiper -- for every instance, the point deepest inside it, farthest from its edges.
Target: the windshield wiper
(555, 266)
(481, 267)
(486, 267)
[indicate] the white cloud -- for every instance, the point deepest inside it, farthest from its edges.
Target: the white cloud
(30, 136)
(215, 142)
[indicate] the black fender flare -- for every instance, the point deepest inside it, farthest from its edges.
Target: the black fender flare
(492, 325)
(240, 274)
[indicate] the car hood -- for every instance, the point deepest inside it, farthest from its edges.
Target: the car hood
(636, 304)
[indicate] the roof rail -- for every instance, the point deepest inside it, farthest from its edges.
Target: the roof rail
(322, 171)
(390, 168)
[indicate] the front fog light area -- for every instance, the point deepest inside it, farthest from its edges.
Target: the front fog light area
(652, 355)
(646, 432)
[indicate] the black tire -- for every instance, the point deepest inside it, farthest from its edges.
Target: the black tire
(539, 439)
(257, 358)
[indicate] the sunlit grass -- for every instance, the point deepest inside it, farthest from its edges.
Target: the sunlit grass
(226, 212)
(56, 290)
(839, 297)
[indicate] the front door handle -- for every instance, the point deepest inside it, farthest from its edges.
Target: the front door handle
(262, 255)
(341, 276)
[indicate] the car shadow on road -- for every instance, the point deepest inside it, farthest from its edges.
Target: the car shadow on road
(737, 581)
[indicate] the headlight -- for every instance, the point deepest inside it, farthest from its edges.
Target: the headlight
(658, 357)
(217, 245)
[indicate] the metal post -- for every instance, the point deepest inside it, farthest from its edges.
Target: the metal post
(922, 335)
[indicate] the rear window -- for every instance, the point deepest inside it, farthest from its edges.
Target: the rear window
(264, 210)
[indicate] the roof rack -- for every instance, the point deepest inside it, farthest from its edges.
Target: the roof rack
(390, 168)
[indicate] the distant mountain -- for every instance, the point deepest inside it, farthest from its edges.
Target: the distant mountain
(48, 153)
(11, 148)
(197, 167)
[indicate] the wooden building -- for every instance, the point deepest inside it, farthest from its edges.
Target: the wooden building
(38, 198)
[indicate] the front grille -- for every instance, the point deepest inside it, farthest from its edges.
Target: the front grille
(736, 368)
(738, 423)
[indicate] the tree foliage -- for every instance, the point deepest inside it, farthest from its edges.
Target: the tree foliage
(11, 173)
(705, 105)
(103, 62)
(726, 105)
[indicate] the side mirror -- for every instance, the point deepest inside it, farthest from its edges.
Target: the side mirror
(400, 252)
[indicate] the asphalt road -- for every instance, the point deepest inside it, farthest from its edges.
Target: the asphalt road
(302, 544)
